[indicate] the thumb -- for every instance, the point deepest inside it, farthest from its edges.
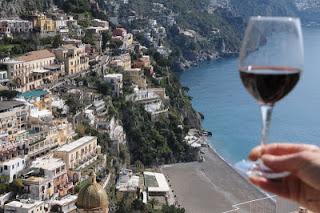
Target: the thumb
(290, 163)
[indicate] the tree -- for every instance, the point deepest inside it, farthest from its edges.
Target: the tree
(57, 41)
(138, 205)
(17, 186)
(73, 103)
(89, 38)
(104, 87)
(76, 6)
(80, 185)
(116, 44)
(172, 209)
(106, 37)
(139, 166)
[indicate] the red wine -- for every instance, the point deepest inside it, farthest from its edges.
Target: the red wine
(269, 84)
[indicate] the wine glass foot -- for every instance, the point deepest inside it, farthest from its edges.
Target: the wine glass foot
(258, 169)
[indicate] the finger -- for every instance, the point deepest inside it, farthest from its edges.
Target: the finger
(290, 163)
(280, 149)
(276, 187)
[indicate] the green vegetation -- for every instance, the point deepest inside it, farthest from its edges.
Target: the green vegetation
(19, 44)
(210, 32)
(80, 185)
(76, 6)
(5, 48)
(138, 206)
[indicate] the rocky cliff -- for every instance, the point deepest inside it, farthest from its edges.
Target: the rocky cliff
(14, 8)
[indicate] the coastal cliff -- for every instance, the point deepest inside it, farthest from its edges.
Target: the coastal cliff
(15, 8)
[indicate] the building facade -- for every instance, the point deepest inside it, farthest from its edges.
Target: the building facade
(12, 168)
(116, 80)
(11, 26)
(13, 118)
(25, 206)
(74, 57)
(44, 24)
(33, 70)
(78, 152)
(54, 170)
(38, 188)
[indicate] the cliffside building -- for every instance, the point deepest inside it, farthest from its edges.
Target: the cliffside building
(74, 57)
(13, 26)
(33, 70)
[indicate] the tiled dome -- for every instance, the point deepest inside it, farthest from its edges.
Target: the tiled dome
(92, 196)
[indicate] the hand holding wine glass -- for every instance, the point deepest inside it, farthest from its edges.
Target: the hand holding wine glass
(302, 161)
(271, 62)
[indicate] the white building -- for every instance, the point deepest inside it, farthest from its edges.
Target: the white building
(48, 177)
(156, 184)
(64, 205)
(38, 188)
(127, 182)
(8, 26)
(25, 206)
(100, 23)
(116, 80)
(12, 168)
(4, 76)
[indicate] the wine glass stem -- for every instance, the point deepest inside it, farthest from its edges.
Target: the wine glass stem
(266, 112)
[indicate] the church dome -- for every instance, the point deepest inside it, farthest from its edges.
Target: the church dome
(92, 196)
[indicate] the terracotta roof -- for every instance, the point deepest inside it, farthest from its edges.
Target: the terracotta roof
(36, 55)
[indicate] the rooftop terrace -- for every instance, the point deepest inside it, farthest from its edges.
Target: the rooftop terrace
(71, 146)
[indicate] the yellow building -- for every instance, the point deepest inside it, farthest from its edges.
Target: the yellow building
(44, 24)
(78, 152)
(33, 69)
(74, 57)
(55, 135)
(122, 61)
(13, 119)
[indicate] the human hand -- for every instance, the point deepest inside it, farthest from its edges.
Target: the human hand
(302, 161)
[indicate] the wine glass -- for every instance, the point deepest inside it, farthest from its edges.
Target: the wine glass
(271, 61)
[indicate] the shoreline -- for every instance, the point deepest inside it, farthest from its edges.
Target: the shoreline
(212, 186)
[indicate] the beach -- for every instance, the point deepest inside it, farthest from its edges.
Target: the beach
(213, 186)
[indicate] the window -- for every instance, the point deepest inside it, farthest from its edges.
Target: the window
(12, 166)
(5, 167)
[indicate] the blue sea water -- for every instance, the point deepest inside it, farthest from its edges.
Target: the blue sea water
(233, 115)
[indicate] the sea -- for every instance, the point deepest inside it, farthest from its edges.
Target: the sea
(233, 116)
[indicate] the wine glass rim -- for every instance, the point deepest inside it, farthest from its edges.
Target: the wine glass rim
(274, 18)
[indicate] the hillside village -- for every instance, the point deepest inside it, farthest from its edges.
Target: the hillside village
(64, 87)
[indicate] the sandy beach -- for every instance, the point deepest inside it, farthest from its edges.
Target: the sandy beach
(213, 186)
